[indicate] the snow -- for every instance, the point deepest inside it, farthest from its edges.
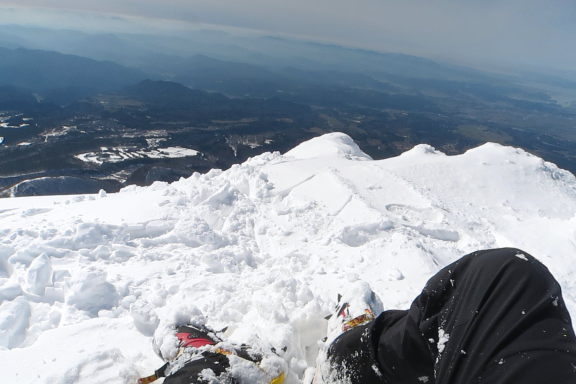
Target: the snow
(120, 154)
(263, 248)
(359, 297)
(443, 338)
(335, 145)
(39, 275)
(91, 293)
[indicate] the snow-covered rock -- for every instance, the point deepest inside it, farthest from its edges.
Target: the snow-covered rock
(263, 248)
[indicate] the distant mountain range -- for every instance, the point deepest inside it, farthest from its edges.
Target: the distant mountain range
(75, 118)
(53, 73)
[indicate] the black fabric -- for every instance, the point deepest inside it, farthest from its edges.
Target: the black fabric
(354, 357)
(191, 372)
(504, 322)
(161, 372)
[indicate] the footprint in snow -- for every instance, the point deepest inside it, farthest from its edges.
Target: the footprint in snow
(406, 214)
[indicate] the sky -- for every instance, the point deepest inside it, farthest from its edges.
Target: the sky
(529, 32)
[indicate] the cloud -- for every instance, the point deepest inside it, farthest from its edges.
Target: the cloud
(508, 31)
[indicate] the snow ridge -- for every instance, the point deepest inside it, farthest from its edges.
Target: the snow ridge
(263, 248)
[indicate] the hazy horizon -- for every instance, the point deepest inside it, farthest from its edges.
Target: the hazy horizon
(508, 33)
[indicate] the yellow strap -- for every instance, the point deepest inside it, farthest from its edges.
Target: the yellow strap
(278, 379)
(224, 351)
(364, 318)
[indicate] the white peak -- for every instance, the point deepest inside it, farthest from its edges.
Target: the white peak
(336, 144)
(497, 154)
(494, 149)
(422, 149)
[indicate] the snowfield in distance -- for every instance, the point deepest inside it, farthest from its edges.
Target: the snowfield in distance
(118, 155)
(263, 248)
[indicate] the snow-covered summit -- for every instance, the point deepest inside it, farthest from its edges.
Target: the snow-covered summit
(335, 144)
(262, 248)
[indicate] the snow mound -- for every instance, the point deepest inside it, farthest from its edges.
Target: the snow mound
(330, 145)
(264, 248)
(91, 292)
(422, 150)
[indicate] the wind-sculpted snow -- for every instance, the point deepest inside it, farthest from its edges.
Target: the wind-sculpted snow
(262, 248)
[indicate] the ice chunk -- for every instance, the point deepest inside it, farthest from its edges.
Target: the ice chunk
(5, 267)
(14, 322)
(91, 292)
(145, 319)
(9, 290)
(39, 275)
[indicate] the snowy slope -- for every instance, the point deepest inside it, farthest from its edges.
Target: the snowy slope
(263, 248)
